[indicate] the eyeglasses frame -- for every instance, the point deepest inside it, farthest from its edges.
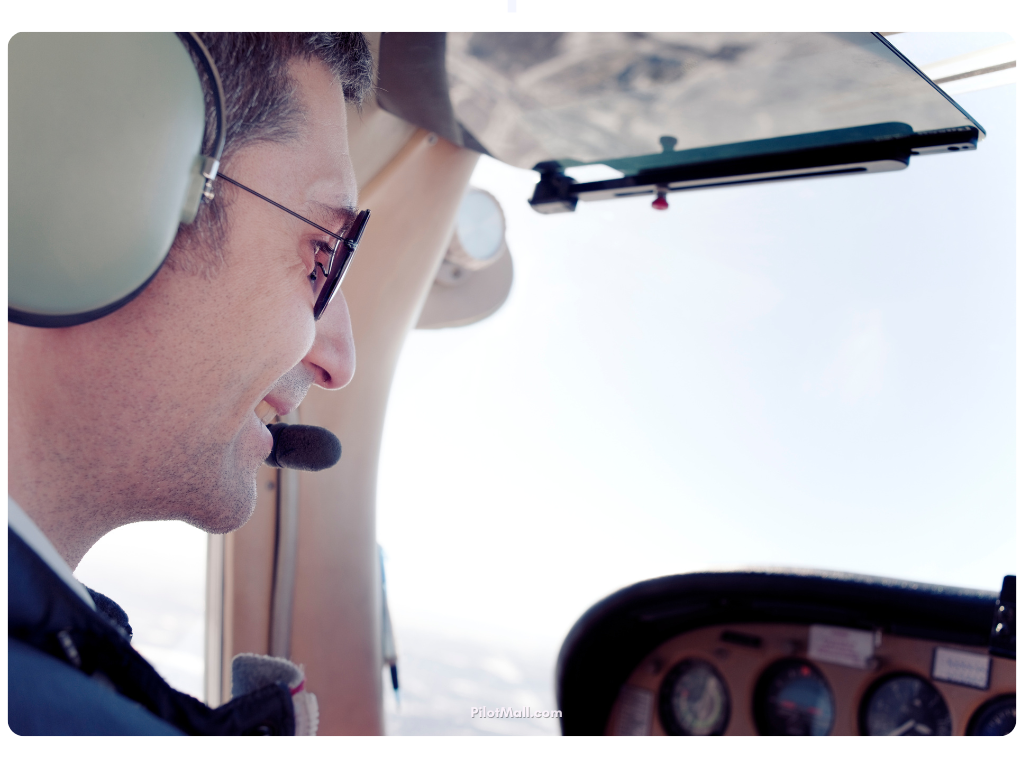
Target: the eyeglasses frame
(334, 273)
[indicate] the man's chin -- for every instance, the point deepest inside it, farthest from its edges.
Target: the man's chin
(230, 514)
(229, 500)
(224, 523)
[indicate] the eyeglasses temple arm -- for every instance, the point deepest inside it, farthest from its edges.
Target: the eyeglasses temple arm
(278, 205)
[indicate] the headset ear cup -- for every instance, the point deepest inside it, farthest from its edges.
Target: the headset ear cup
(105, 140)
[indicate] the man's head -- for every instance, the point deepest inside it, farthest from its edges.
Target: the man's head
(149, 413)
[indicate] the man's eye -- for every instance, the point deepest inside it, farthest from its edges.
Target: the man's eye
(321, 255)
(320, 247)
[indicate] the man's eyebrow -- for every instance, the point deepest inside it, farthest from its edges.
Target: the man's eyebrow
(332, 217)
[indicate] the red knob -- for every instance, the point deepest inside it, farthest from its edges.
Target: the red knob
(660, 203)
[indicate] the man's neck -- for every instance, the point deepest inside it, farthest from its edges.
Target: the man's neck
(61, 513)
(67, 524)
(53, 464)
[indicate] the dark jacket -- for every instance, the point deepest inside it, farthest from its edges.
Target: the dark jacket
(72, 670)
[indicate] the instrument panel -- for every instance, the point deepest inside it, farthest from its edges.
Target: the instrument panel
(775, 679)
(791, 653)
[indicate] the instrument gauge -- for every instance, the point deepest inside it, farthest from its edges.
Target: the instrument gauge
(793, 698)
(905, 705)
(693, 700)
(996, 717)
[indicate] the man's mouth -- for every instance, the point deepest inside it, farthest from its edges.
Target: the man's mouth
(265, 412)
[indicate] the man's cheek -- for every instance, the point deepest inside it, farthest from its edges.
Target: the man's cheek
(291, 338)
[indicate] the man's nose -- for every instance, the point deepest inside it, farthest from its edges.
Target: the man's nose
(333, 355)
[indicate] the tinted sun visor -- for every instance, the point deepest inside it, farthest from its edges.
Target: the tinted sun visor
(618, 114)
(412, 84)
(582, 98)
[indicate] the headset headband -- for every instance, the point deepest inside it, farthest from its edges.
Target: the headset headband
(211, 160)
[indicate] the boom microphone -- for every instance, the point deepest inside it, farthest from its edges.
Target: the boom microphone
(303, 446)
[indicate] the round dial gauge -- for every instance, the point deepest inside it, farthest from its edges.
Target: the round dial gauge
(693, 700)
(905, 705)
(995, 717)
(793, 699)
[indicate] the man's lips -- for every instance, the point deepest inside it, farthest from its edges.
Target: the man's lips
(271, 406)
(285, 395)
(265, 412)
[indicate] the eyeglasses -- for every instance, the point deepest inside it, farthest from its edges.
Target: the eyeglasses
(341, 254)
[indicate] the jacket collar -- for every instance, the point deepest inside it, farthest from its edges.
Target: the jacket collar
(29, 532)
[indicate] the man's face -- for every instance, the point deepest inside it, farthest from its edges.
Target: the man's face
(168, 386)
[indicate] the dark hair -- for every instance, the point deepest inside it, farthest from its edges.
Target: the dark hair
(260, 105)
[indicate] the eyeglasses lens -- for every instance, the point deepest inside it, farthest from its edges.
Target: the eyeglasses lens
(340, 261)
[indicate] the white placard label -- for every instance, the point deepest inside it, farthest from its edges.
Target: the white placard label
(840, 645)
(961, 667)
(635, 709)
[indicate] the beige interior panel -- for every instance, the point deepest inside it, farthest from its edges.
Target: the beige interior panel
(337, 613)
(248, 576)
(741, 667)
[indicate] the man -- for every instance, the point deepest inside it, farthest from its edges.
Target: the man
(151, 412)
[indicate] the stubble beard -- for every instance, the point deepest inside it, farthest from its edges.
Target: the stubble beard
(217, 493)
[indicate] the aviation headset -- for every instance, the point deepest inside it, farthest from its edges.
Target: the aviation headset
(105, 160)
(106, 138)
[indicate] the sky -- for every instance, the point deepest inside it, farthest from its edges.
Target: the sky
(812, 374)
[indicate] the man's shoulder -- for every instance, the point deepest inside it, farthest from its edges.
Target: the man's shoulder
(72, 670)
(47, 697)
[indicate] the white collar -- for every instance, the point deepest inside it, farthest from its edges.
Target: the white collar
(23, 525)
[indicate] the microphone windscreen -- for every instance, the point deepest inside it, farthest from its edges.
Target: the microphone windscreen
(303, 446)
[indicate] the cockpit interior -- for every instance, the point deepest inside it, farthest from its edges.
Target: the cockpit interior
(632, 123)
